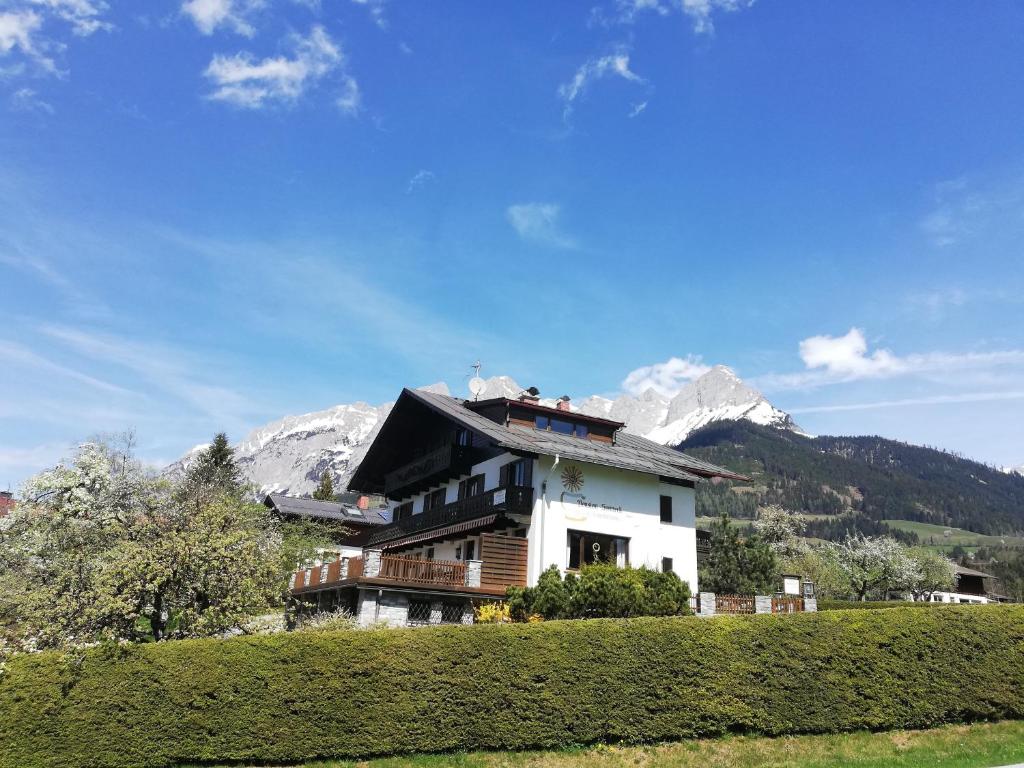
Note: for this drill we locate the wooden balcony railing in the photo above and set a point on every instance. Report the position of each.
(516, 499)
(447, 460)
(415, 571)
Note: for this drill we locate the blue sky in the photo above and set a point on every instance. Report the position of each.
(217, 212)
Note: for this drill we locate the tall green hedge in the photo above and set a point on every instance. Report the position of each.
(357, 693)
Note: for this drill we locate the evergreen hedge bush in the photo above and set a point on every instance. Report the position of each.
(357, 693)
(859, 605)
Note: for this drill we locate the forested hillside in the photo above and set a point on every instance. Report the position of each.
(855, 481)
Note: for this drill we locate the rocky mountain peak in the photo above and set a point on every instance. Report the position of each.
(290, 454)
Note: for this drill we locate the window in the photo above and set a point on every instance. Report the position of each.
(586, 548)
(666, 509)
(560, 425)
(463, 437)
(419, 612)
(474, 486)
(451, 613)
(666, 565)
(402, 511)
(458, 552)
(434, 499)
(471, 549)
(516, 473)
(430, 553)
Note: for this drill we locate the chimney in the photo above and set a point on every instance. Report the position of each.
(531, 396)
(563, 403)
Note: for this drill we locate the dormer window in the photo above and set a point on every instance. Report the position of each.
(562, 426)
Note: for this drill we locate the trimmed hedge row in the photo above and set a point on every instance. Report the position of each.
(871, 605)
(359, 693)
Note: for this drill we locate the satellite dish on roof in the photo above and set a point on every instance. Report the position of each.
(476, 386)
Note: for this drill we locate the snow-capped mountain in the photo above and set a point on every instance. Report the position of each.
(1012, 470)
(289, 455)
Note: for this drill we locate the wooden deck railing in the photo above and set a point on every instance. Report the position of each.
(414, 571)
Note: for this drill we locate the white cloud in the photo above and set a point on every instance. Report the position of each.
(838, 359)
(702, 11)
(538, 222)
(666, 378)
(350, 98)
(245, 82)
(208, 15)
(376, 10)
(419, 179)
(637, 109)
(17, 33)
(846, 356)
(27, 100)
(615, 64)
(84, 16)
(22, 30)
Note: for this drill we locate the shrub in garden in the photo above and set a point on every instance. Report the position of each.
(601, 590)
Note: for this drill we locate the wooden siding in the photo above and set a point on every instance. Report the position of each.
(504, 561)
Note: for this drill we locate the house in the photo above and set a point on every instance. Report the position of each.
(359, 518)
(487, 494)
(971, 587)
(6, 503)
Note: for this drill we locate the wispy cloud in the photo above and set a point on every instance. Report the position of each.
(243, 81)
(637, 109)
(701, 13)
(23, 33)
(840, 359)
(419, 179)
(969, 397)
(41, 269)
(665, 378)
(163, 368)
(613, 65)
(27, 100)
(16, 354)
(538, 223)
(376, 11)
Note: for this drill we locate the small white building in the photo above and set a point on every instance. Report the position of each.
(971, 587)
(488, 494)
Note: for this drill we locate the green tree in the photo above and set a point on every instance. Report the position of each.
(737, 565)
(819, 565)
(212, 472)
(325, 489)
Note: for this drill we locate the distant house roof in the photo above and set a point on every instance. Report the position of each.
(629, 452)
(961, 571)
(326, 510)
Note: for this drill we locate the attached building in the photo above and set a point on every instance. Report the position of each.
(488, 494)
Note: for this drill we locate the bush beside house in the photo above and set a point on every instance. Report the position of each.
(512, 686)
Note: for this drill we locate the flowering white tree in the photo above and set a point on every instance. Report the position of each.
(101, 548)
(875, 565)
(934, 573)
(779, 529)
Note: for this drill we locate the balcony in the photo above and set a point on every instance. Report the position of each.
(513, 499)
(447, 461)
(502, 564)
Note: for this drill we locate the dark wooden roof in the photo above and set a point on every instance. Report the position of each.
(326, 510)
(629, 452)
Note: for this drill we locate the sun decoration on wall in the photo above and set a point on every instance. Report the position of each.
(572, 478)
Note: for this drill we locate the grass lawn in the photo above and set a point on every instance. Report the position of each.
(934, 536)
(953, 746)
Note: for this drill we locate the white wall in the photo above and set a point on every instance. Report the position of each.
(617, 503)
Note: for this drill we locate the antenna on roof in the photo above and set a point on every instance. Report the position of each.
(476, 384)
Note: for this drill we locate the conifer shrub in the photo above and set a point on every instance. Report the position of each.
(351, 694)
